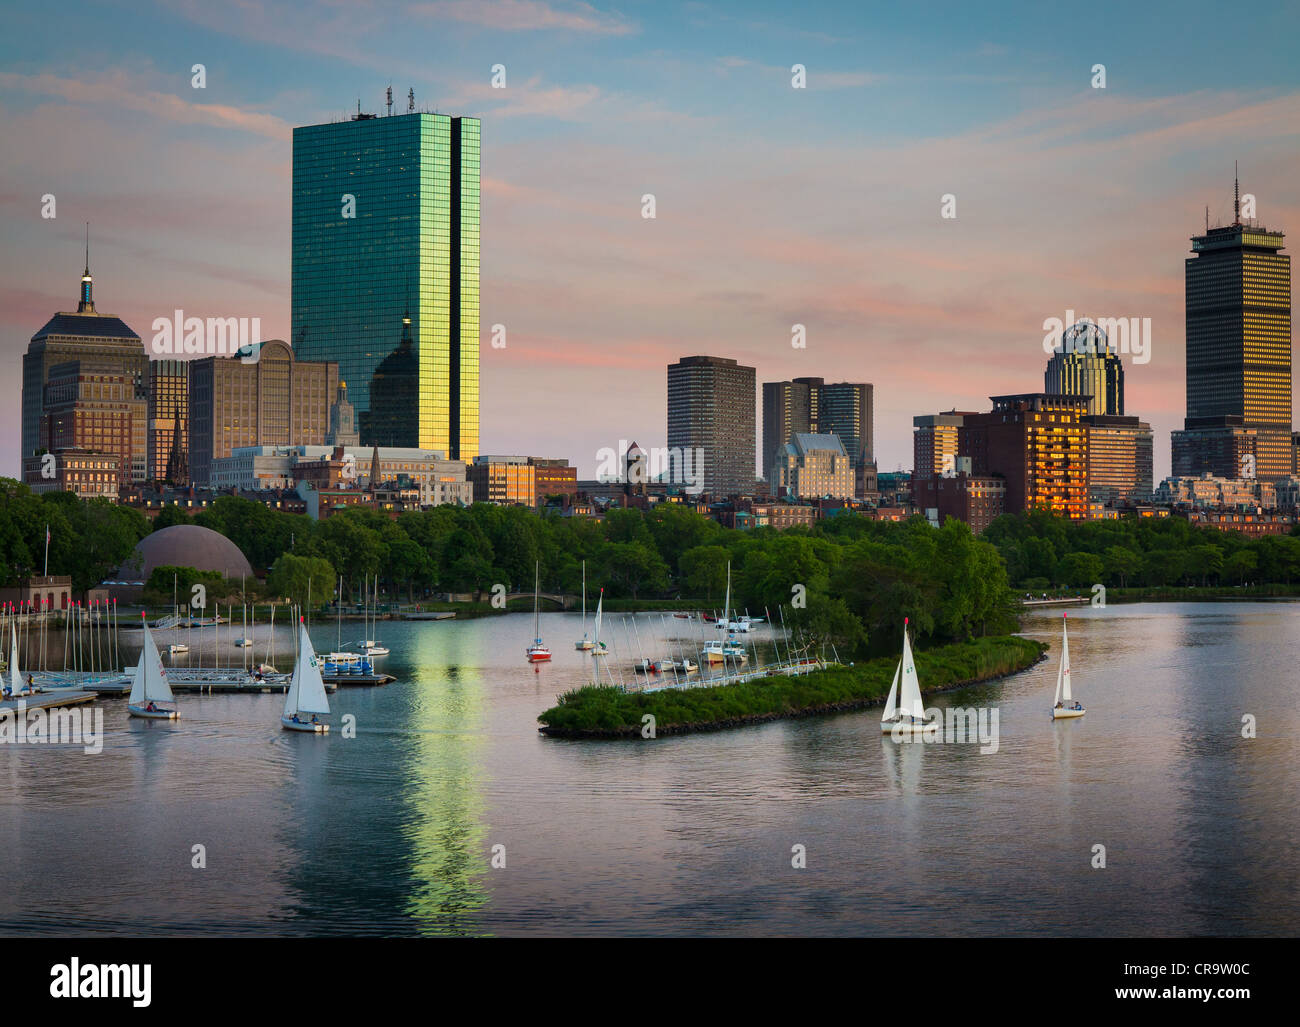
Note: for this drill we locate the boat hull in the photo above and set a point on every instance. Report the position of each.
(583, 647)
(1067, 714)
(539, 655)
(144, 714)
(289, 724)
(908, 727)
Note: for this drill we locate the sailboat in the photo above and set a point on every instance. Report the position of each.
(151, 695)
(537, 653)
(305, 702)
(177, 647)
(586, 643)
(905, 714)
(719, 651)
(369, 646)
(16, 687)
(1063, 706)
(598, 648)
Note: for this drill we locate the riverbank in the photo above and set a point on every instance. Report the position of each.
(608, 713)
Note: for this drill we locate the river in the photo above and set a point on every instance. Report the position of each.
(393, 832)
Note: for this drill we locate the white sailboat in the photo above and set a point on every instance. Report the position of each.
(598, 648)
(370, 646)
(537, 652)
(15, 687)
(720, 652)
(586, 643)
(151, 695)
(1064, 706)
(905, 713)
(305, 703)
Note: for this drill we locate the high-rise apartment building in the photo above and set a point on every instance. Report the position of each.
(934, 442)
(273, 400)
(169, 404)
(87, 337)
(711, 413)
(811, 407)
(1038, 444)
(385, 272)
(1238, 290)
(1085, 364)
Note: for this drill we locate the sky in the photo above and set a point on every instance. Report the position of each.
(774, 205)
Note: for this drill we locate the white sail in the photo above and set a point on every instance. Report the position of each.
(726, 603)
(910, 701)
(306, 689)
(15, 675)
(150, 681)
(595, 625)
(1063, 675)
(891, 706)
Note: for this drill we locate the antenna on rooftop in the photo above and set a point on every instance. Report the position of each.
(390, 101)
(1236, 196)
(410, 101)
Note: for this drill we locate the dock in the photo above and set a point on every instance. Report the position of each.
(47, 700)
(356, 680)
(432, 615)
(210, 684)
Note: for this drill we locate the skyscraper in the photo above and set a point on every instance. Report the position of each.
(386, 272)
(1238, 288)
(1085, 364)
(120, 366)
(809, 406)
(711, 412)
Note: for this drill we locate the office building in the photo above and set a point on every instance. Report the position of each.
(526, 480)
(1120, 468)
(343, 420)
(88, 415)
(268, 399)
(385, 275)
(1086, 365)
(169, 403)
(1238, 298)
(711, 415)
(934, 442)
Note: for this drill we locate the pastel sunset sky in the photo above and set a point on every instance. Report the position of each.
(775, 205)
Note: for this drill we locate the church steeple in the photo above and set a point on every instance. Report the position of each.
(87, 304)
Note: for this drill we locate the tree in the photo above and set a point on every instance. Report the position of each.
(631, 567)
(1121, 563)
(171, 514)
(301, 577)
(704, 570)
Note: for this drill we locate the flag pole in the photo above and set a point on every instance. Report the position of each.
(46, 573)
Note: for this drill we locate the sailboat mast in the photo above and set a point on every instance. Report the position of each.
(537, 573)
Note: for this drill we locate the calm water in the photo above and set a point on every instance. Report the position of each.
(392, 832)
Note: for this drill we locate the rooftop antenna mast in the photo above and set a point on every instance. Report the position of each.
(390, 101)
(410, 100)
(1236, 196)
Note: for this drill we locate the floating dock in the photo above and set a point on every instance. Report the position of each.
(356, 680)
(47, 700)
(431, 615)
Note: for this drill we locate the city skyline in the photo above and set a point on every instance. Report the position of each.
(944, 314)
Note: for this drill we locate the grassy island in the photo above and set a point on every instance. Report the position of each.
(606, 712)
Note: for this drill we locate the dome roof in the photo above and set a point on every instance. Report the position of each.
(185, 545)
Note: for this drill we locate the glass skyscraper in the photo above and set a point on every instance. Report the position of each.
(386, 272)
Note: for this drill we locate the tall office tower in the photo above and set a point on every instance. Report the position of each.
(1238, 288)
(1120, 468)
(808, 406)
(386, 272)
(711, 416)
(274, 400)
(1085, 364)
(1038, 443)
(85, 334)
(169, 404)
